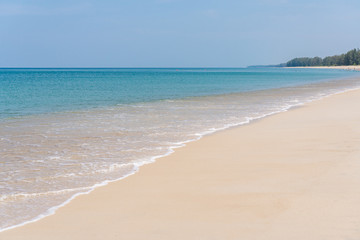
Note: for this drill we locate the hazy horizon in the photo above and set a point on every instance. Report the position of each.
(173, 33)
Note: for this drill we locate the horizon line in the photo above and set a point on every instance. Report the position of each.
(118, 67)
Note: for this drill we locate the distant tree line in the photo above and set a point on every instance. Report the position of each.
(352, 57)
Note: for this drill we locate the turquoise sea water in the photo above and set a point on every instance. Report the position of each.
(34, 91)
(65, 131)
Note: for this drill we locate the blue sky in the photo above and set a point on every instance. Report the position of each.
(173, 33)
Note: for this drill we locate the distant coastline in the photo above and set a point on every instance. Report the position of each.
(353, 67)
(348, 61)
(349, 68)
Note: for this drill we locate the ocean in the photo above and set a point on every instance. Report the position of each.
(64, 132)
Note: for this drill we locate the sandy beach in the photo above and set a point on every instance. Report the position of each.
(294, 175)
(354, 68)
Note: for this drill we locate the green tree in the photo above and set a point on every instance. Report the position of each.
(352, 57)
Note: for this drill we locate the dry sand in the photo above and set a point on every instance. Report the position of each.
(294, 175)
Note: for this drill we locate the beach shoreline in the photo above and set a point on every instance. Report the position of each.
(350, 68)
(281, 176)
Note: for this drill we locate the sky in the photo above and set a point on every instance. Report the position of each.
(173, 33)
